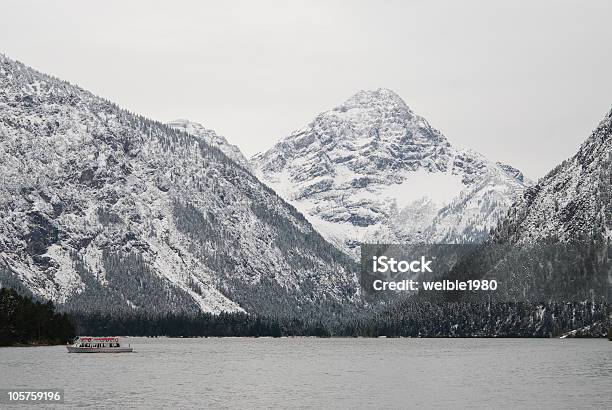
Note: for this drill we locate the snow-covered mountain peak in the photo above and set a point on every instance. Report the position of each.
(372, 130)
(211, 137)
(377, 116)
(381, 99)
(360, 172)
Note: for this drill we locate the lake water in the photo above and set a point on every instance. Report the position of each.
(309, 372)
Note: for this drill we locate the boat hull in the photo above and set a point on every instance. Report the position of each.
(73, 349)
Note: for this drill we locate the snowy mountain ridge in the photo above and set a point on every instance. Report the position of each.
(101, 209)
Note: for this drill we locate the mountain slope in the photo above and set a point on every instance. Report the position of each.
(372, 170)
(554, 244)
(572, 201)
(104, 209)
(551, 257)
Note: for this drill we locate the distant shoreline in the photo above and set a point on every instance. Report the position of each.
(33, 345)
(320, 337)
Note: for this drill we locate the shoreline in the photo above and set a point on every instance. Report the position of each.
(330, 337)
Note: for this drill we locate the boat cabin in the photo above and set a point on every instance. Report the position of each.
(86, 341)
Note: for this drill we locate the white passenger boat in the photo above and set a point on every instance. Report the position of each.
(86, 344)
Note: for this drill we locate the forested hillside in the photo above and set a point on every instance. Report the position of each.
(25, 322)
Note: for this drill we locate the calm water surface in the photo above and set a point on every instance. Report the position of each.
(309, 372)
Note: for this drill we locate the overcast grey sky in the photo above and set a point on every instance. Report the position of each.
(523, 82)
